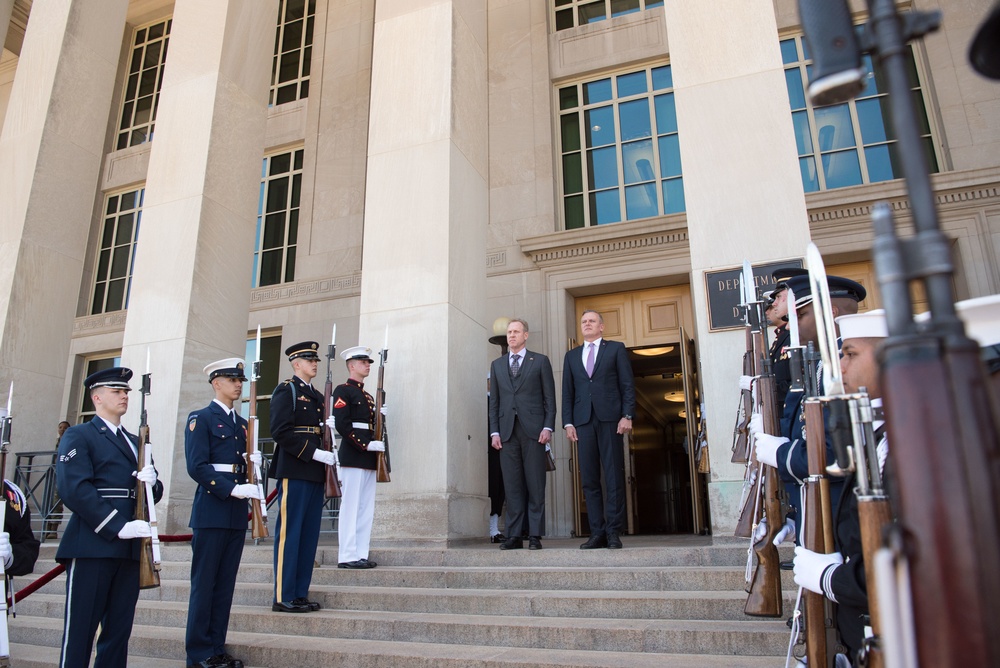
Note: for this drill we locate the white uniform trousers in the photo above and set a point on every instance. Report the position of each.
(357, 510)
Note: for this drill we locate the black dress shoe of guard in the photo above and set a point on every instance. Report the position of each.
(368, 564)
(210, 662)
(595, 542)
(312, 605)
(498, 538)
(614, 542)
(284, 606)
(229, 660)
(512, 544)
(356, 565)
(535, 543)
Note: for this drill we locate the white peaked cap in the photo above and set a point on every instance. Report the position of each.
(870, 324)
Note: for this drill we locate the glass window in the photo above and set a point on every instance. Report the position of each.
(116, 251)
(93, 365)
(142, 85)
(848, 143)
(278, 219)
(572, 13)
(292, 51)
(270, 359)
(620, 148)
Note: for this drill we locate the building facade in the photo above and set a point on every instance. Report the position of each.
(174, 174)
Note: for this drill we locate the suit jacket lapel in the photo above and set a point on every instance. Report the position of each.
(220, 415)
(525, 365)
(102, 428)
(599, 355)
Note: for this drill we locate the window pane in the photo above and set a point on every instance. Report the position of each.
(879, 163)
(605, 207)
(673, 196)
(290, 265)
(873, 120)
(788, 51)
(640, 201)
(600, 126)
(293, 227)
(97, 306)
(116, 296)
(803, 136)
(570, 132)
(921, 110)
(835, 129)
(653, 3)
(670, 156)
(602, 168)
(810, 182)
(124, 229)
(796, 96)
(597, 91)
(573, 207)
(292, 39)
(270, 267)
(572, 174)
(564, 19)
(568, 98)
(592, 13)
(119, 261)
(103, 262)
(277, 194)
(666, 113)
(634, 119)
(274, 230)
(841, 169)
(632, 84)
(623, 7)
(662, 78)
(637, 162)
(280, 163)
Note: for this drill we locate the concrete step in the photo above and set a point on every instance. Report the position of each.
(271, 649)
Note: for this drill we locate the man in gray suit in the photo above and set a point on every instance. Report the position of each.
(522, 417)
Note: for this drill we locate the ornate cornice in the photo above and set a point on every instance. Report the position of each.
(655, 234)
(102, 323)
(287, 294)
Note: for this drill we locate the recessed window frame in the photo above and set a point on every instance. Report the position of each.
(114, 264)
(568, 14)
(143, 80)
(278, 209)
(292, 62)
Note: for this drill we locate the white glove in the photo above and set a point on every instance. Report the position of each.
(255, 458)
(331, 422)
(384, 411)
(811, 569)
(376, 446)
(767, 448)
(760, 531)
(147, 474)
(324, 457)
(756, 424)
(746, 382)
(5, 552)
(247, 491)
(135, 529)
(785, 533)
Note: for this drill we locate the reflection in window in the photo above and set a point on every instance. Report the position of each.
(848, 143)
(278, 219)
(93, 365)
(142, 84)
(270, 359)
(621, 156)
(116, 251)
(571, 13)
(293, 40)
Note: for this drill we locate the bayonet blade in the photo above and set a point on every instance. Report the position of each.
(833, 382)
(793, 320)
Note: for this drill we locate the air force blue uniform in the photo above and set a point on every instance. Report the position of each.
(219, 524)
(96, 478)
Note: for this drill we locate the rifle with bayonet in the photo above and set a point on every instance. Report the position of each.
(741, 432)
(5, 425)
(383, 467)
(750, 506)
(332, 488)
(258, 509)
(938, 573)
(145, 509)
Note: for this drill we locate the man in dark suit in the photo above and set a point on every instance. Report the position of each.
(96, 473)
(215, 445)
(597, 405)
(299, 467)
(522, 414)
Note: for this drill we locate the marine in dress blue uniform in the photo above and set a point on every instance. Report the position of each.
(21, 550)
(215, 445)
(96, 473)
(299, 460)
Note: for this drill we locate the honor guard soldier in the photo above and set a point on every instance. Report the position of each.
(18, 545)
(215, 445)
(96, 472)
(299, 461)
(777, 317)
(354, 419)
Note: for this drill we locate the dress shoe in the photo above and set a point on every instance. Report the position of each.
(614, 542)
(512, 544)
(228, 660)
(312, 605)
(212, 662)
(535, 543)
(367, 563)
(356, 565)
(284, 606)
(498, 538)
(595, 542)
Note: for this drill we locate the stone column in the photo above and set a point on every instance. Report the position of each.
(741, 176)
(6, 7)
(426, 215)
(191, 284)
(51, 147)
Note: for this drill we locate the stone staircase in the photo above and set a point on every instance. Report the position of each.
(661, 601)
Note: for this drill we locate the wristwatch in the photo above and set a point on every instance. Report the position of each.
(627, 417)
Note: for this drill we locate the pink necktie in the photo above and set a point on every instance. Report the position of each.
(590, 361)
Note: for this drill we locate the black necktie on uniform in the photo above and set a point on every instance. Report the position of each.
(128, 444)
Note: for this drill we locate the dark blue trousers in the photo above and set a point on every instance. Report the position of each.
(215, 561)
(296, 534)
(99, 592)
(602, 448)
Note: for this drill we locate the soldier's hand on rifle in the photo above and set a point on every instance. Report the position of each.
(760, 531)
(255, 458)
(376, 446)
(324, 457)
(813, 570)
(247, 491)
(785, 533)
(766, 447)
(384, 410)
(147, 474)
(746, 382)
(135, 529)
(756, 424)
(331, 422)
(5, 551)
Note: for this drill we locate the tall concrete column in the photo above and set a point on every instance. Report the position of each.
(51, 147)
(191, 284)
(424, 275)
(735, 122)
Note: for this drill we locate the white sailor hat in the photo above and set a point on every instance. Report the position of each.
(870, 324)
(357, 353)
(231, 367)
(982, 319)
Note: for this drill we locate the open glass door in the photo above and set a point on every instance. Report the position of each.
(692, 408)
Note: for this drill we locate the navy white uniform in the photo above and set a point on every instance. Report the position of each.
(215, 438)
(17, 523)
(96, 477)
(354, 415)
(296, 417)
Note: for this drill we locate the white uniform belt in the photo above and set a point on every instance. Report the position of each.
(230, 468)
(361, 425)
(116, 492)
